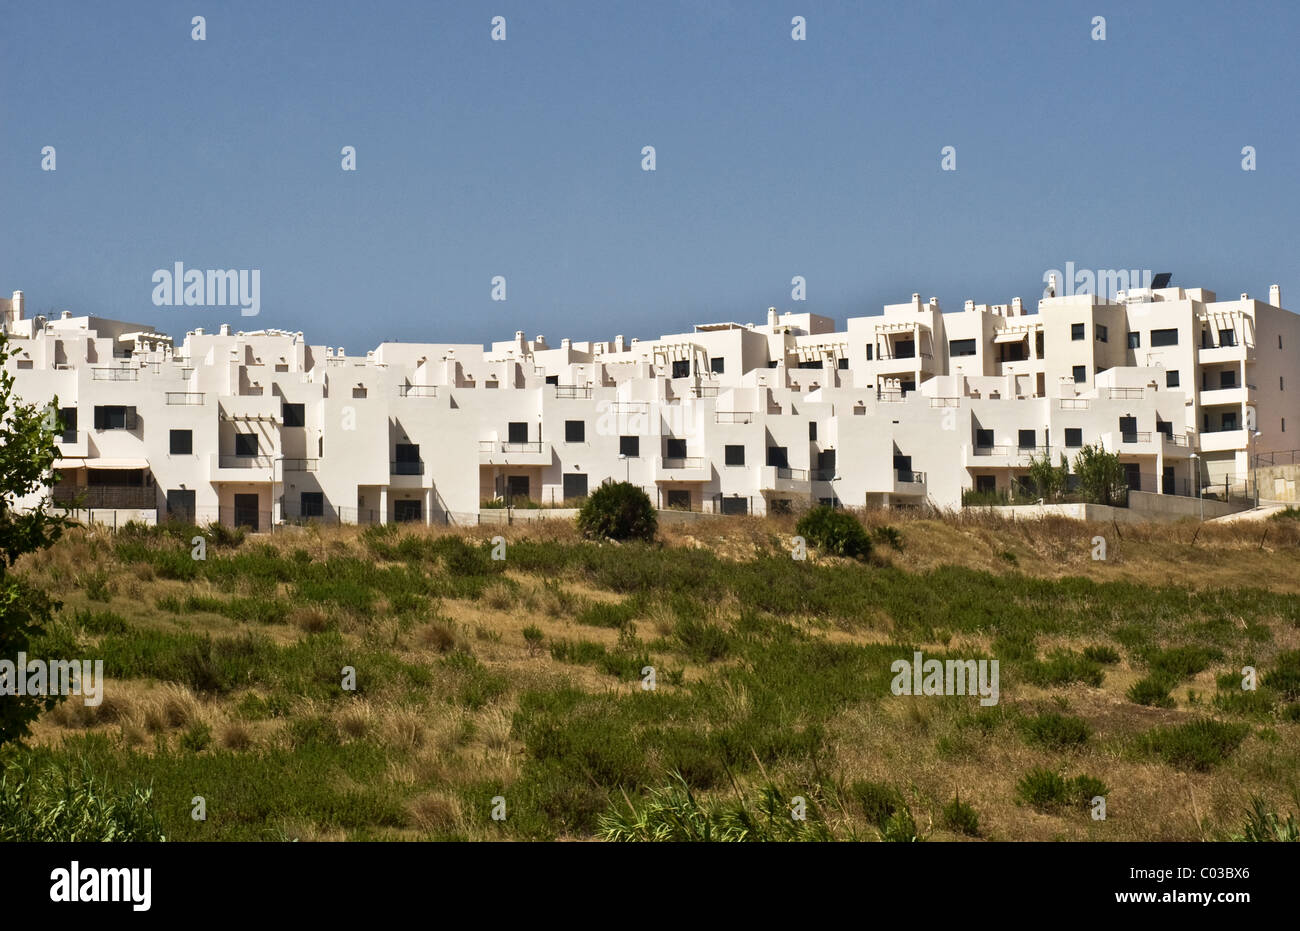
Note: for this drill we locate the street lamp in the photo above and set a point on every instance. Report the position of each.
(1196, 477)
(627, 472)
(1254, 463)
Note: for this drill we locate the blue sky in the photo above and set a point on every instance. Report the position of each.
(522, 158)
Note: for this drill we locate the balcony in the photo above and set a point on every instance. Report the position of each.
(1213, 441)
(703, 391)
(243, 468)
(945, 402)
(104, 496)
(572, 392)
(1233, 394)
(1006, 455)
(1125, 394)
(301, 465)
(683, 469)
(406, 467)
(116, 373)
(495, 452)
(183, 398)
(733, 416)
(417, 391)
(783, 478)
(1209, 355)
(1136, 438)
(909, 482)
(1073, 404)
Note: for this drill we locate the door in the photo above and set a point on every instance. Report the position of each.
(1133, 476)
(516, 487)
(1128, 428)
(407, 509)
(246, 512)
(1167, 483)
(679, 498)
(575, 486)
(180, 504)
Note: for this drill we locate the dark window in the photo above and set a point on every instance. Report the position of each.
(961, 347)
(679, 498)
(812, 429)
(1027, 439)
(407, 509)
(717, 365)
(1128, 428)
(681, 368)
(986, 483)
(1076, 331)
(1134, 339)
(1133, 476)
(312, 504)
(905, 349)
(245, 444)
(870, 351)
(1230, 421)
(674, 448)
(1102, 335)
(1073, 437)
(553, 380)
(69, 417)
(575, 485)
(180, 504)
(772, 364)
(1038, 343)
(1227, 338)
(629, 446)
(1164, 338)
(1228, 379)
(407, 459)
(1080, 374)
(1171, 379)
(733, 455)
(182, 442)
(779, 506)
(906, 385)
(776, 456)
(518, 486)
(844, 363)
(983, 438)
(294, 415)
(1281, 383)
(1166, 427)
(575, 431)
(114, 417)
(1012, 352)
(812, 364)
(517, 432)
(735, 505)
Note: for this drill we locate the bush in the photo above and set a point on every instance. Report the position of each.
(1105, 655)
(960, 817)
(63, 804)
(1153, 691)
(835, 532)
(1056, 730)
(1046, 789)
(618, 511)
(877, 800)
(1196, 745)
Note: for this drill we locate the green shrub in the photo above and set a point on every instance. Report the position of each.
(618, 511)
(1056, 730)
(834, 531)
(702, 641)
(1199, 744)
(1284, 677)
(1105, 655)
(1152, 691)
(1047, 789)
(960, 817)
(900, 828)
(1265, 825)
(1062, 667)
(887, 535)
(877, 800)
(533, 639)
(63, 804)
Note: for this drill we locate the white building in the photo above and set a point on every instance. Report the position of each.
(915, 405)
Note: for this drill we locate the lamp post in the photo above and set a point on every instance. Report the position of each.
(1254, 464)
(627, 472)
(1196, 477)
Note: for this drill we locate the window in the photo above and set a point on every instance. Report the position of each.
(870, 351)
(1230, 421)
(674, 448)
(810, 364)
(114, 417)
(517, 432)
(1281, 383)
(182, 442)
(629, 446)
(717, 365)
(1134, 339)
(1227, 338)
(733, 455)
(986, 484)
(779, 506)
(905, 349)
(734, 505)
(771, 363)
(294, 415)
(983, 438)
(812, 429)
(245, 444)
(1012, 352)
(1279, 341)
(575, 431)
(1080, 374)
(1164, 338)
(1228, 379)
(681, 368)
(1102, 335)
(1073, 437)
(776, 456)
(1026, 439)
(1076, 331)
(844, 363)
(678, 498)
(69, 417)
(1284, 425)
(575, 486)
(961, 347)
(1171, 379)
(407, 509)
(312, 504)
(359, 391)
(1166, 427)
(180, 504)
(553, 380)
(407, 459)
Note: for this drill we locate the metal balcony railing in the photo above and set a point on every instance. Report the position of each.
(184, 397)
(683, 462)
(114, 374)
(245, 462)
(1137, 437)
(407, 467)
(945, 402)
(418, 391)
(910, 476)
(823, 475)
(105, 496)
(1125, 394)
(798, 475)
(1173, 439)
(301, 465)
(733, 416)
(704, 391)
(1074, 404)
(572, 391)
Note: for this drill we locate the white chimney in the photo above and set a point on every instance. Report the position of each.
(1051, 285)
(1275, 295)
(618, 343)
(225, 329)
(1017, 306)
(198, 331)
(970, 304)
(1245, 296)
(17, 306)
(771, 316)
(934, 302)
(565, 343)
(67, 314)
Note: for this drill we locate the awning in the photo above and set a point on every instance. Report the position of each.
(98, 463)
(1010, 337)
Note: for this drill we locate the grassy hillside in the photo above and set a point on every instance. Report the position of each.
(522, 679)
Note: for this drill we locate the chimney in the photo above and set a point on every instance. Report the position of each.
(619, 346)
(1245, 296)
(1051, 285)
(68, 314)
(540, 342)
(970, 304)
(225, 329)
(1017, 306)
(771, 316)
(17, 306)
(198, 331)
(1275, 295)
(934, 302)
